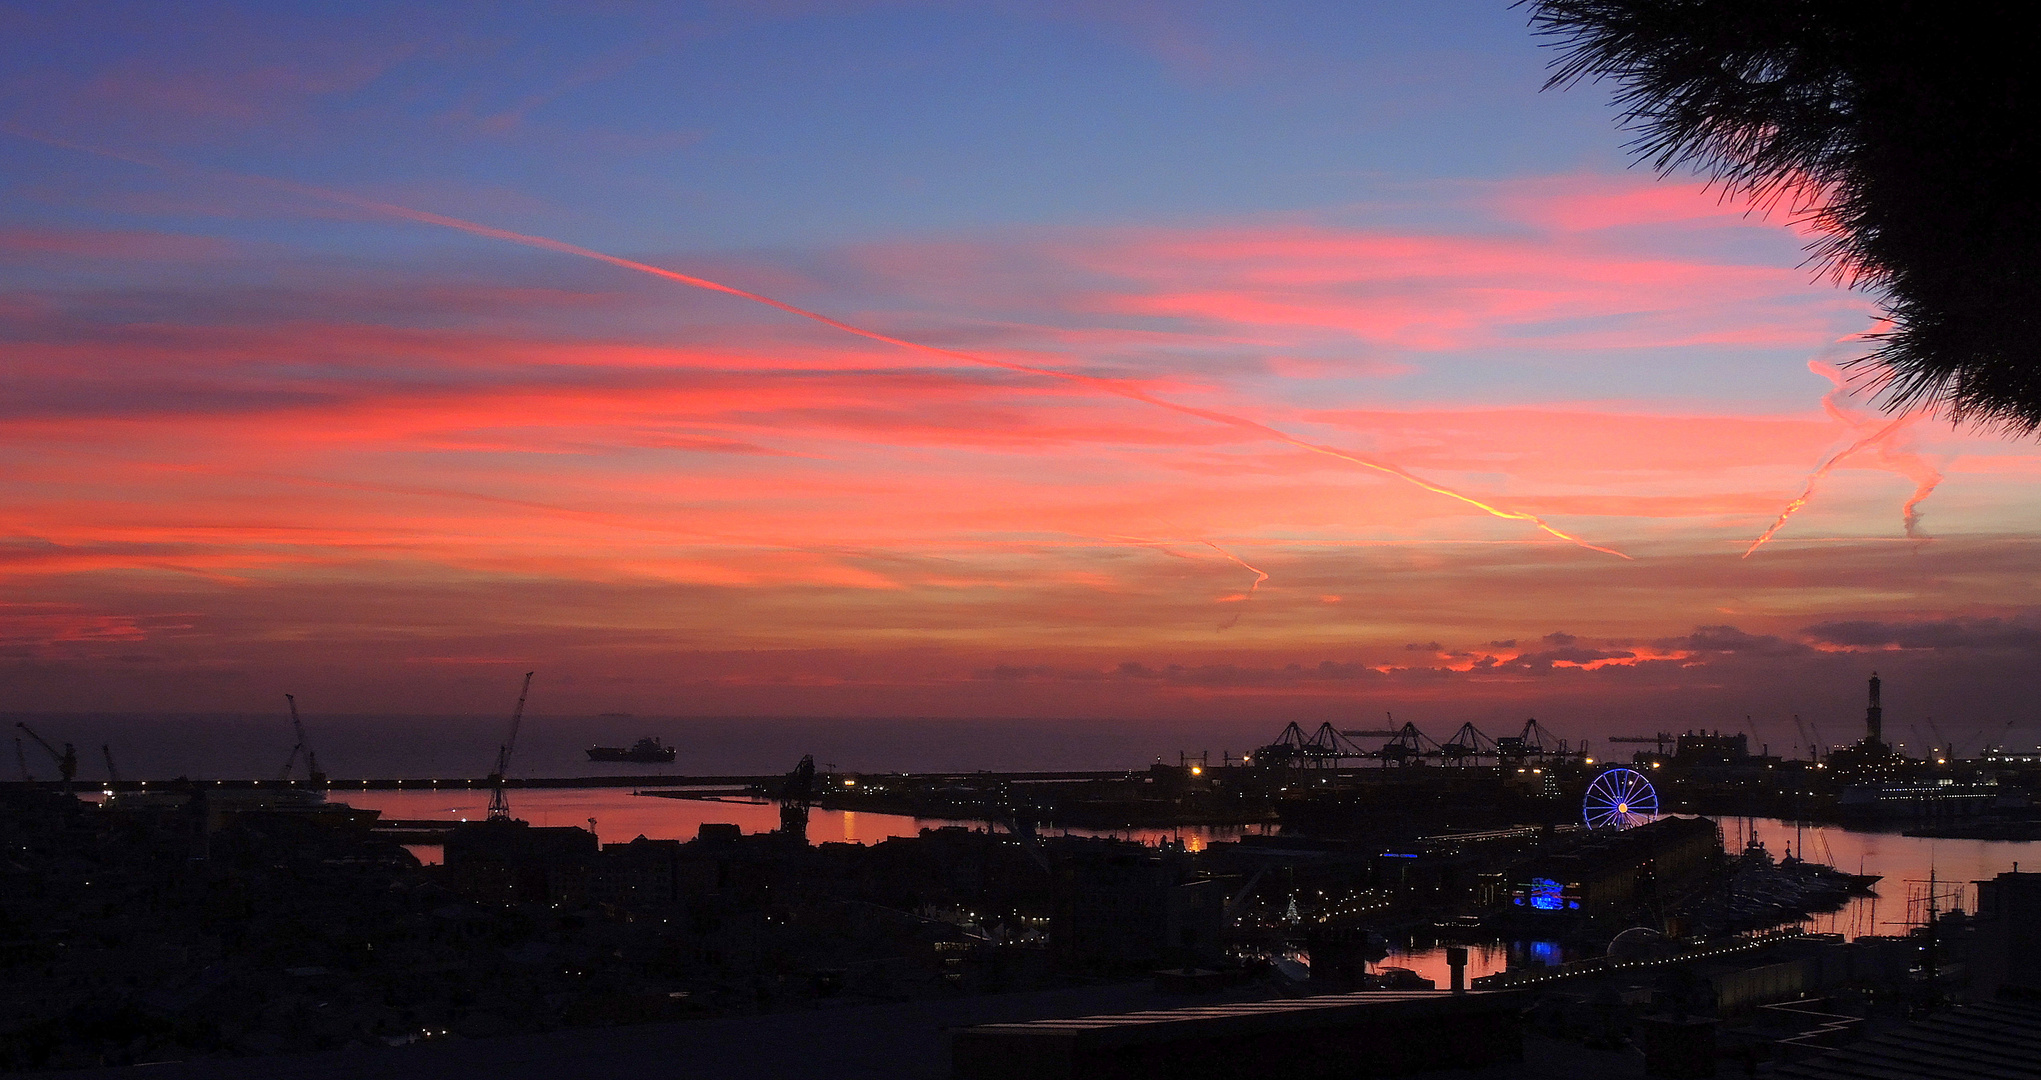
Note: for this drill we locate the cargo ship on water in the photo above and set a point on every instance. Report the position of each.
(647, 750)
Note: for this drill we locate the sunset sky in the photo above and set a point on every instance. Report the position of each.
(1239, 314)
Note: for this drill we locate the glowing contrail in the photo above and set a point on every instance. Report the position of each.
(1111, 386)
(1808, 492)
(1897, 459)
(1259, 576)
(1164, 547)
(1116, 387)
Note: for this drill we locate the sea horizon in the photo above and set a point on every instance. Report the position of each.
(239, 745)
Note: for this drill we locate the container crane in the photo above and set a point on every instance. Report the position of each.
(499, 807)
(67, 762)
(1468, 743)
(1410, 746)
(312, 771)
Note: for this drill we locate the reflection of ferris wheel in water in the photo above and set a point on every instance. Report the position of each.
(1619, 799)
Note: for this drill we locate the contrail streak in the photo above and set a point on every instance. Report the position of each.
(1164, 547)
(1808, 492)
(1102, 384)
(1896, 459)
(1259, 576)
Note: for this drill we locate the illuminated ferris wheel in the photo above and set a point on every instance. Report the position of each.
(1619, 799)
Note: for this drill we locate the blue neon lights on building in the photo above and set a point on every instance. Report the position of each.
(1545, 895)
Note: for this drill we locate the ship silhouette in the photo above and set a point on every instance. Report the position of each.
(646, 750)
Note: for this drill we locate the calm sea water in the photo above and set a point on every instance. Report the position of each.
(242, 746)
(352, 747)
(1906, 863)
(617, 815)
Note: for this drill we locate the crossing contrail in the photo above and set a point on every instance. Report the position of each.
(1896, 458)
(1259, 576)
(1117, 387)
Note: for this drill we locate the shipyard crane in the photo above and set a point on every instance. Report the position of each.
(796, 795)
(1976, 738)
(1941, 741)
(1806, 740)
(21, 759)
(67, 762)
(1820, 744)
(2003, 732)
(312, 772)
(499, 807)
(112, 774)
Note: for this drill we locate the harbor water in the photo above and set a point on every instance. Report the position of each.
(1905, 864)
(620, 814)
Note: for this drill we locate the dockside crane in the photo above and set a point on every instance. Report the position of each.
(1409, 747)
(1468, 743)
(1321, 749)
(1534, 741)
(112, 773)
(1948, 752)
(67, 762)
(304, 745)
(499, 807)
(796, 796)
(21, 759)
(2003, 733)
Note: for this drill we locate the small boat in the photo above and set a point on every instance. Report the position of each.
(644, 750)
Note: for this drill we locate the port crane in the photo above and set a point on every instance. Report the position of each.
(304, 745)
(1466, 743)
(21, 759)
(499, 807)
(1948, 752)
(112, 774)
(796, 795)
(67, 762)
(1534, 741)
